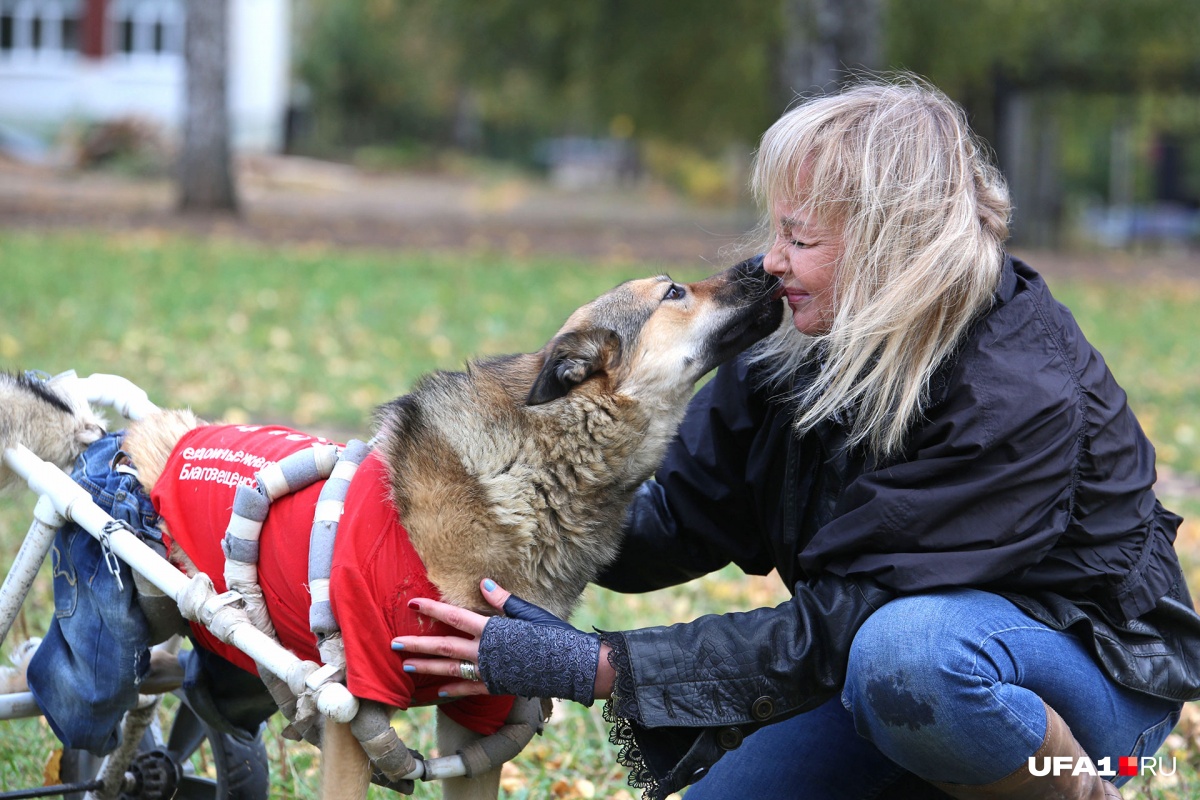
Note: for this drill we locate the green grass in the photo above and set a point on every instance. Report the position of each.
(318, 337)
(312, 335)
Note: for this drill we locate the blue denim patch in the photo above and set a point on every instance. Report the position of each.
(86, 673)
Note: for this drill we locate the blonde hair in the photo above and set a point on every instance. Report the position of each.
(924, 214)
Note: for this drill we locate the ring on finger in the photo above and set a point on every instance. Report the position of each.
(468, 671)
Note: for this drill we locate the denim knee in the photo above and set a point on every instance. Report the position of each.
(917, 677)
(952, 686)
(906, 652)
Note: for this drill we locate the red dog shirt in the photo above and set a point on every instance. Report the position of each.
(375, 568)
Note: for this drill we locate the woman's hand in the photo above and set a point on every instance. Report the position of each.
(459, 657)
(451, 653)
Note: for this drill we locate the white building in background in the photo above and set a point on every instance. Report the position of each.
(80, 61)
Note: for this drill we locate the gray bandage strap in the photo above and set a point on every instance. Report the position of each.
(290, 474)
(330, 505)
(240, 545)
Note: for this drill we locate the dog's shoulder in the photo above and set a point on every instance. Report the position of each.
(493, 388)
(149, 441)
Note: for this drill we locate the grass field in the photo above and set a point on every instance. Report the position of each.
(317, 337)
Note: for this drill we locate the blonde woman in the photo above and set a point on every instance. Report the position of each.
(943, 471)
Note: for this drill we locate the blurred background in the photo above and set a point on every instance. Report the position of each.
(1092, 106)
(287, 210)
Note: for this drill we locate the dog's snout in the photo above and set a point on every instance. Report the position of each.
(772, 286)
(751, 279)
(750, 265)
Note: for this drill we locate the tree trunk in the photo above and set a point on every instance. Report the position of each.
(826, 42)
(205, 163)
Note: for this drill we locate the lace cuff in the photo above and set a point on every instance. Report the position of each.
(622, 711)
(524, 658)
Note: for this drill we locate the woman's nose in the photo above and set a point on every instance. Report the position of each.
(773, 262)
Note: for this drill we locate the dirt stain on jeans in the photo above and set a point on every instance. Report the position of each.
(895, 705)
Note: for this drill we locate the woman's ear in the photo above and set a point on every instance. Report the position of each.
(573, 357)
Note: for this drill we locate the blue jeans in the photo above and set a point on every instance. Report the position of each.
(86, 672)
(944, 687)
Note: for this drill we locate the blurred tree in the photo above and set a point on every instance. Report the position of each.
(699, 72)
(1060, 89)
(708, 76)
(827, 41)
(205, 170)
(380, 70)
(974, 48)
(708, 71)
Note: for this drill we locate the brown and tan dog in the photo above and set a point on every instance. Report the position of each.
(521, 467)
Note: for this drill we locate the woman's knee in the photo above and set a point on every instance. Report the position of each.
(916, 684)
(916, 650)
(907, 634)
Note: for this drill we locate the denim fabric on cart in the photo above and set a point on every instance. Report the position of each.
(86, 673)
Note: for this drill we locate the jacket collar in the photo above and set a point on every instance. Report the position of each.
(1006, 289)
(1008, 280)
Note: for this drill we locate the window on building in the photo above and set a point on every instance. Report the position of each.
(147, 27)
(6, 30)
(125, 38)
(45, 28)
(69, 33)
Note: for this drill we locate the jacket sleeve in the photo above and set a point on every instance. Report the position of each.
(689, 692)
(703, 511)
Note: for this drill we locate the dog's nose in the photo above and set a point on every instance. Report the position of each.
(751, 274)
(750, 266)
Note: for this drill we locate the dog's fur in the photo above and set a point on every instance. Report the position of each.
(521, 468)
(45, 417)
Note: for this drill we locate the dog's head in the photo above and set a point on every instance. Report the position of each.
(655, 337)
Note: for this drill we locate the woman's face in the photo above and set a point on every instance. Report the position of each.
(805, 255)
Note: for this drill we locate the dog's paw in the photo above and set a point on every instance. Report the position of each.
(14, 678)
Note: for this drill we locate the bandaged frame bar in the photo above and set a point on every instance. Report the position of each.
(224, 614)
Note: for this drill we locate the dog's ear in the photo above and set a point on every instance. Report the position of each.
(572, 359)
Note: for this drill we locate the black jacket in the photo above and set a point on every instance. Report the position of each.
(1028, 476)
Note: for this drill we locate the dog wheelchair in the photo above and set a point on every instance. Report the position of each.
(147, 762)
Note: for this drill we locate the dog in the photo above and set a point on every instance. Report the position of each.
(519, 468)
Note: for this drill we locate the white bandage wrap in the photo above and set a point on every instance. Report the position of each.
(243, 528)
(242, 575)
(319, 590)
(271, 481)
(325, 458)
(329, 511)
(343, 470)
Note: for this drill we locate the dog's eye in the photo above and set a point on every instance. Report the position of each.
(675, 292)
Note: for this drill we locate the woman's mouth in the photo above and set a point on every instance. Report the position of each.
(796, 297)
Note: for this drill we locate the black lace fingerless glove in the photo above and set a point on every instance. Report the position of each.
(533, 653)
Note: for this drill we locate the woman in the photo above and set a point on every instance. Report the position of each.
(942, 468)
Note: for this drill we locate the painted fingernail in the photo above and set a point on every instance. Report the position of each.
(409, 668)
(443, 694)
(397, 645)
(489, 585)
(414, 605)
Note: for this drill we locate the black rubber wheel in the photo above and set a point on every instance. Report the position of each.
(240, 760)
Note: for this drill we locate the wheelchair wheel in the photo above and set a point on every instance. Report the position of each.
(164, 766)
